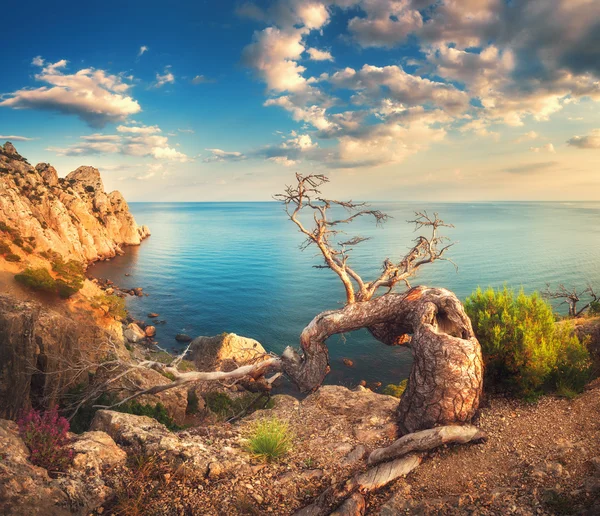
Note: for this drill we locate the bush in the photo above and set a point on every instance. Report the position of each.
(395, 390)
(11, 257)
(594, 308)
(37, 279)
(71, 276)
(523, 348)
(269, 439)
(573, 368)
(4, 247)
(225, 407)
(45, 434)
(66, 290)
(112, 305)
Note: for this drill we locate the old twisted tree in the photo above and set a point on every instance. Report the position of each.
(445, 382)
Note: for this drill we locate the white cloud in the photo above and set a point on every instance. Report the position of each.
(15, 138)
(201, 79)
(140, 144)
(283, 160)
(139, 130)
(93, 95)
(143, 50)
(319, 55)
(528, 136)
(190, 131)
(591, 141)
(548, 147)
(37, 61)
(220, 156)
(166, 78)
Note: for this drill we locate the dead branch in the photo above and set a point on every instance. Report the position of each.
(306, 195)
(571, 297)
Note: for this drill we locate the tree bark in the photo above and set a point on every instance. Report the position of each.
(446, 379)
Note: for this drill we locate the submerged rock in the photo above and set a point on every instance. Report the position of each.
(182, 337)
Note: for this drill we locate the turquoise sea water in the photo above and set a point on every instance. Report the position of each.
(237, 267)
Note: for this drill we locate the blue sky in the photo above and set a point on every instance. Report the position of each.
(394, 99)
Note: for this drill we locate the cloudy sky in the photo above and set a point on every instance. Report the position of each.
(393, 99)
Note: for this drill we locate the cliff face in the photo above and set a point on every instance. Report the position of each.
(73, 216)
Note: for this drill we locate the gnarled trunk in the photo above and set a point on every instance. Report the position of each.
(446, 378)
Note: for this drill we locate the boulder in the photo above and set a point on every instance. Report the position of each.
(26, 489)
(93, 452)
(182, 337)
(224, 352)
(150, 331)
(133, 333)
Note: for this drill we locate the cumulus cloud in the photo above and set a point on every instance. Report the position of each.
(95, 96)
(319, 55)
(590, 141)
(37, 61)
(166, 78)
(548, 147)
(15, 138)
(139, 129)
(143, 50)
(283, 160)
(221, 156)
(131, 143)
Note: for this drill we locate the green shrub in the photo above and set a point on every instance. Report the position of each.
(523, 348)
(27, 249)
(226, 407)
(18, 241)
(5, 227)
(269, 439)
(37, 279)
(594, 308)
(4, 247)
(70, 269)
(66, 290)
(573, 368)
(395, 390)
(11, 257)
(113, 305)
(193, 402)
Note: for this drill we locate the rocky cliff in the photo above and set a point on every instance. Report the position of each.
(72, 216)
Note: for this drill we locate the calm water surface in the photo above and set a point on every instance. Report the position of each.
(236, 267)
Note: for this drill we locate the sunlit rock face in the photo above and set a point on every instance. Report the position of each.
(72, 216)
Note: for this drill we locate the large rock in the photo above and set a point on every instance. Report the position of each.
(93, 452)
(74, 216)
(224, 352)
(133, 333)
(37, 345)
(26, 489)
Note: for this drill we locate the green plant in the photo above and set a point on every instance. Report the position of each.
(226, 407)
(523, 348)
(11, 257)
(269, 438)
(594, 308)
(5, 227)
(112, 305)
(4, 247)
(573, 368)
(18, 241)
(66, 290)
(46, 436)
(395, 390)
(193, 402)
(37, 279)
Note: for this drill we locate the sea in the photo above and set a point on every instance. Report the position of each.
(239, 267)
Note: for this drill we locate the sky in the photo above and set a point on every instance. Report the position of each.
(451, 100)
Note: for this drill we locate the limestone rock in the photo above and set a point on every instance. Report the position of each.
(73, 216)
(95, 451)
(133, 333)
(35, 337)
(224, 352)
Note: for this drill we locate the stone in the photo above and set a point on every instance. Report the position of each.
(96, 451)
(348, 362)
(152, 315)
(133, 333)
(150, 331)
(182, 337)
(224, 352)
(353, 506)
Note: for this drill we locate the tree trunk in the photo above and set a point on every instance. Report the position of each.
(446, 378)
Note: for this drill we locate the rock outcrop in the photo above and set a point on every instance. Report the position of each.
(42, 350)
(72, 216)
(224, 352)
